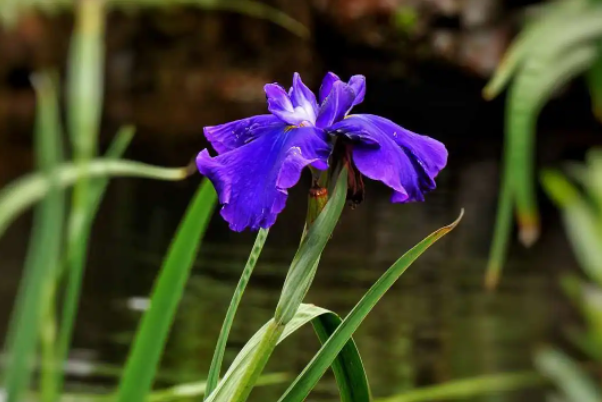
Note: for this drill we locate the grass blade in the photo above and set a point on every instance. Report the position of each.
(307, 257)
(77, 247)
(470, 387)
(527, 96)
(44, 248)
(348, 368)
(594, 81)
(9, 9)
(24, 192)
(310, 376)
(571, 379)
(195, 389)
(298, 280)
(306, 313)
(152, 333)
(220, 348)
(85, 84)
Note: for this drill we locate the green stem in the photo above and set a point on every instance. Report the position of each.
(218, 356)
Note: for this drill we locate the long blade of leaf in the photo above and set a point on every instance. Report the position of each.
(310, 376)
(580, 221)
(571, 379)
(44, 247)
(545, 23)
(24, 192)
(594, 82)
(77, 249)
(220, 348)
(9, 9)
(527, 96)
(470, 387)
(307, 257)
(350, 366)
(238, 386)
(150, 339)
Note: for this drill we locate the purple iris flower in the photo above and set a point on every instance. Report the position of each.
(260, 157)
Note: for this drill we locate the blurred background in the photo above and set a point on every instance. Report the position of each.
(172, 70)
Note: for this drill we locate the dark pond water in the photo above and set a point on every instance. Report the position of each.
(436, 324)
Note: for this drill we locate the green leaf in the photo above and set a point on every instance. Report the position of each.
(9, 9)
(310, 376)
(220, 348)
(150, 339)
(85, 83)
(190, 390)
(349, 365)
(594, 82)
(304, 265)
(298, 280)
(470, 387)
(532, 36)
(528, 94)
(568, 376)
(24, 192)
(348, 368)
(44, 248)
(580, 221)
(81, 220)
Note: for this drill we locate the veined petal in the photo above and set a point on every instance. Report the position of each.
(228, 136)
(280, 104)
(336, 105)
(358, 84)
(405, 161)
(303, 98)
(252, 180)
(326, 87)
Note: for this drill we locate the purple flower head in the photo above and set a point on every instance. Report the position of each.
(261, 157)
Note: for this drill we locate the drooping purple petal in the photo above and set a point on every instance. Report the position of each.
(336, 105)
(326, 87)
(358, 84)
(304, 99)
(252, 180)
(226, 137)
(405, 161)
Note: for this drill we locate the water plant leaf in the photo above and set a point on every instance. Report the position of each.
(77, 250)
(10, 9)
(220, 348)
(580, 221)
(572, 380)
(142, 362)
(349, 368)
(239, 384)
(470, 387)
(43, 253)
(325, 357)
(551, 56)
(27, 190)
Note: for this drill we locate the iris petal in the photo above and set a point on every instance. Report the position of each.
(358, 84)
(252, 180)
(226, 137)
(280, 104)
(303, 98)
(336, 105)
(326, 87)
(405, 161)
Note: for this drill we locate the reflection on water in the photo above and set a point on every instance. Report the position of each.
(435, 325)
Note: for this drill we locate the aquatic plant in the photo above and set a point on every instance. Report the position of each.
(56, 258)
(561, 42)
(580, 204)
